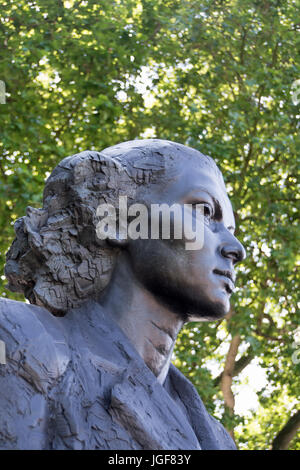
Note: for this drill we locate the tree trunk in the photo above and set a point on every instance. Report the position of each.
(227, 374)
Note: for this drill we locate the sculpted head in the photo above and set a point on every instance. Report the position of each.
(58, 261)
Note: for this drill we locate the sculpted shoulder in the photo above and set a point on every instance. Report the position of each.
(35, 343)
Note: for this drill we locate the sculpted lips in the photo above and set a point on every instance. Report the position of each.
(229, 279)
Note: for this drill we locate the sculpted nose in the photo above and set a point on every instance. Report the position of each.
(233, 250)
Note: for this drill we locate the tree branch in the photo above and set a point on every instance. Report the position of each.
(242, 52)
(287, 433)
(3, 172)
(239, 365)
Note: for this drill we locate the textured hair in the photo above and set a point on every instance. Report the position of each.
(56, 259)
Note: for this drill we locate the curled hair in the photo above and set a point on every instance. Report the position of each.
(56, 259)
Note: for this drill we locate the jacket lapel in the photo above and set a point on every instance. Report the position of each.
(211, 433)
(143, 407)
(135, 399)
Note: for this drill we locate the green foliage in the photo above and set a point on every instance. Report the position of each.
(215, 75)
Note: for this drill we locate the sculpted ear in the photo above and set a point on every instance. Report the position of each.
(117, 242)
(108, 228)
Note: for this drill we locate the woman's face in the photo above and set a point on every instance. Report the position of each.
(196, 284)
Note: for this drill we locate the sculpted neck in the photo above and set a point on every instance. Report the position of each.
(151, 328)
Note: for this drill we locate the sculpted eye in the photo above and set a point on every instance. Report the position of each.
(207, 209)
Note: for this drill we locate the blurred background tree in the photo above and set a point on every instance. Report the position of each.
(215, 75)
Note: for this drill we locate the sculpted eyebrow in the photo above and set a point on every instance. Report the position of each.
(199, 188)
(218, 213)
(218, 209)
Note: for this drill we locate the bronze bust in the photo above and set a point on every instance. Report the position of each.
(88, 363)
